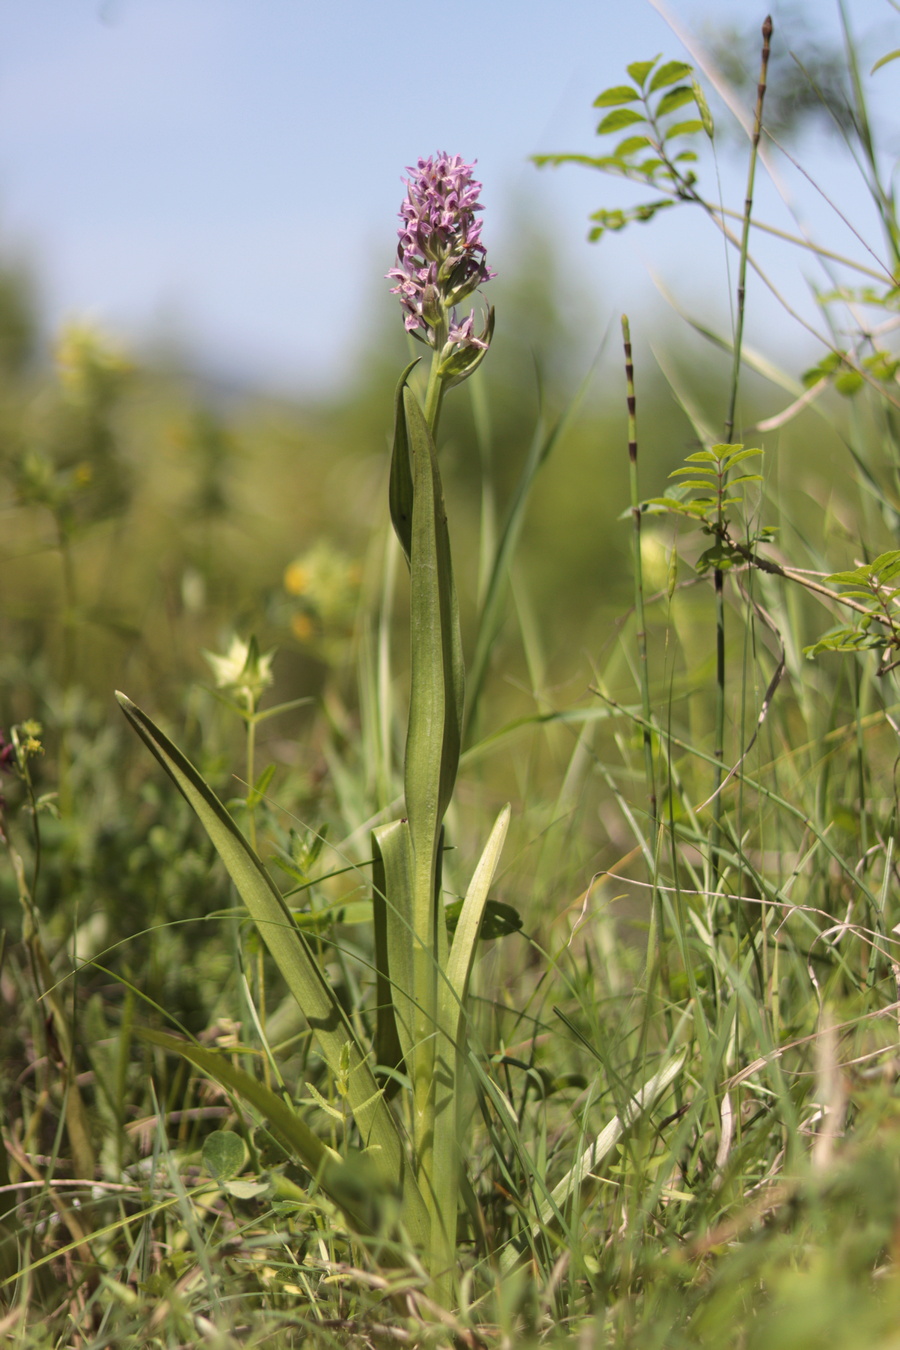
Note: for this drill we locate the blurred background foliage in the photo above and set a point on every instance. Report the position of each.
(148, 515)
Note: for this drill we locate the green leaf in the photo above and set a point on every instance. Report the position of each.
(669, 73)
(619, 93)
(675, 98)
(729, 460)
(703, 457)
(452, 1017)
(291, 1130)
(639, 70)
(499, 919)
(392, 883)
(845, 640)
(581, 1179)
(619, 118)
(827, 366)
(609, 220)
(400, 488)
(261, 786)
(721, 556)
(300, 971)
(437, 679)
(848, 383)
(851, 577)
(683, 129)
(224, 1154)
(695, 509)
(883, 60)
(462, 952)
(649, 209)
(882, 365)
(247, 1189)
(656, 506)
(436, 706)
(886, 566)
(631, 145)
(703, 109)
(587, 161)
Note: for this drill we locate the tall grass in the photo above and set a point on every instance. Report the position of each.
(659, 1109)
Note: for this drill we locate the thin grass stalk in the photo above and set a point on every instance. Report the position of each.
(767, 30)
(719, 580)
(487, 543)
(655, 946)
(251, 780)
(492, 610)
(636, 518)
(790, 808)
(882, 197)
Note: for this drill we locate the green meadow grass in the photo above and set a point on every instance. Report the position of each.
(671, 1071)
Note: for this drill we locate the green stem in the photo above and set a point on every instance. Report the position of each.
(435, 1140)
(719, 750)
(643, 667)
(881, 195)
(655, 943)
(70, 600)
(745, 230)
(251, 779)
(434, 394)
(719, 741)
(425, 959)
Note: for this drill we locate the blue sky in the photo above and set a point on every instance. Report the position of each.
(226, 173)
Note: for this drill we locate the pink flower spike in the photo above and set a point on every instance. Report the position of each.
(440, 247)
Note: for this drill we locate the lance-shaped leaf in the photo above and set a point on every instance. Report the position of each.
(400, 488)
(337, 1177)
(581, 1178)
(451, 1047)
(465, 939)
(437, 693)
(292, 1131)
(437, 679)
(392, 907)
(306, 982)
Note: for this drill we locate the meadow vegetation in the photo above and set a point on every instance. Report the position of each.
(565, 1012)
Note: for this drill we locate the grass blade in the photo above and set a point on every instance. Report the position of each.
(393, 906)
(306, 982)
(462, 952)
(322, 1162)
(451, 1049)
(579, 1177)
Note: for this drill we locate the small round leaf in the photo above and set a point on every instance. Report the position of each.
(224, 1154)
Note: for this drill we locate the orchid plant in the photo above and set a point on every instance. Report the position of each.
(410, 1148)
(399, 1188)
